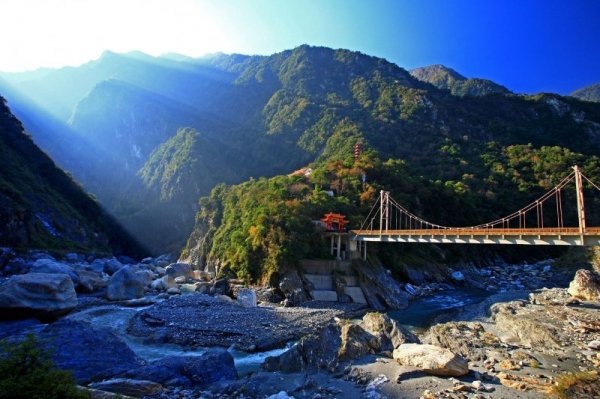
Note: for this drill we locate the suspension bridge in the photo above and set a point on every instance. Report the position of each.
(539, 223)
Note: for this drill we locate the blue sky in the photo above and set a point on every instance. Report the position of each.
(528, 46)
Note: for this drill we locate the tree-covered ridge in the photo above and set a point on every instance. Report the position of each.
(42, 207)
(255, 229)
(448, 79)
(268, 115)
(588, 93)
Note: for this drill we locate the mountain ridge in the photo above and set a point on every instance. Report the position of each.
(281, 112)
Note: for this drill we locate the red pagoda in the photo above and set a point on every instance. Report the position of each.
(334, 222)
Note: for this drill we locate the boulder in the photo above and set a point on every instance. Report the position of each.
(43, 295)
(129, 387)
(179, 270)
(124, 284)
(388, 332)
(320, 351)
(269, 295)
(90, 281)
(200, 275)
(173, 291)
(53, 267)
(180, 280)
(72, 257)
(188, 288)
(145, 276)
(203, 287)
(197, 371)
(96, 265)
(246, 297)
(355, 342)
(16, 266)
(516, 323)
(111, 266)
(293, 289)
(163, 283)
(432, 360)
(220, 287)
(380, 289)
(126, 260)
(92, 354)
(468, 339)
(585, 285)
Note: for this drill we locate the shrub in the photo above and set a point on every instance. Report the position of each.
(576, 385)
(26, 371)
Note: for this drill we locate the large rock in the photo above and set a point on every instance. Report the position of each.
(125, 284)
(145, 276)
(379, 287)
(432, 360)
(468, 339)
(92, 354)
(526, 325)
(16, 266)
(293, 289)
(111, 266)
(197, 371)
(585, 285)
(126, 386)
(388, 332)
(53, 267)
(179, 270)
(163, 283)
(314, 351)
(90, 281)
(42, 295)
(246, 297)
(356, 342)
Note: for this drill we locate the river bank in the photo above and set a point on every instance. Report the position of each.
(158, 329)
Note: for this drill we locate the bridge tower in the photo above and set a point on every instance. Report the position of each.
(580, 202)
(384, 211)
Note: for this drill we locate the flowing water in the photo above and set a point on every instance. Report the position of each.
(423, 312)
(116, 319)
(418, 316)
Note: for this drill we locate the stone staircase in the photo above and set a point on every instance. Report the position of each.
(329, 278)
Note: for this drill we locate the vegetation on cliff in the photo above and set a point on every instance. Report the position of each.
(42, 207)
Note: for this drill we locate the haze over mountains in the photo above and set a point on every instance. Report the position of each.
(42, 207)
(148, 136)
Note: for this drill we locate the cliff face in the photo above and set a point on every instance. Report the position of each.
(42, 207)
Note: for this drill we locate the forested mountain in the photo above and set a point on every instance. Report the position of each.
(262, 116)
(42, 207)
(588, 93)
(447, 78)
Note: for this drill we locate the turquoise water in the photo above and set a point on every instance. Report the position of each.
(422, 312)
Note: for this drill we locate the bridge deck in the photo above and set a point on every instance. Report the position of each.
(537, 236)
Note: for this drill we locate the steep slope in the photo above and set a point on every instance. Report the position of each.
(281, 112)
(60, 90)
(42, 207)
(448, 79)
(589, 93)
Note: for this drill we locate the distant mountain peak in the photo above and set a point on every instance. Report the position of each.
(446, 78)
(588, 93)
(435, 70)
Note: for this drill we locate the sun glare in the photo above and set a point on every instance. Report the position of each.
(69, 32)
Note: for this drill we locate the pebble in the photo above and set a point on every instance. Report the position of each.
(595, 345)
